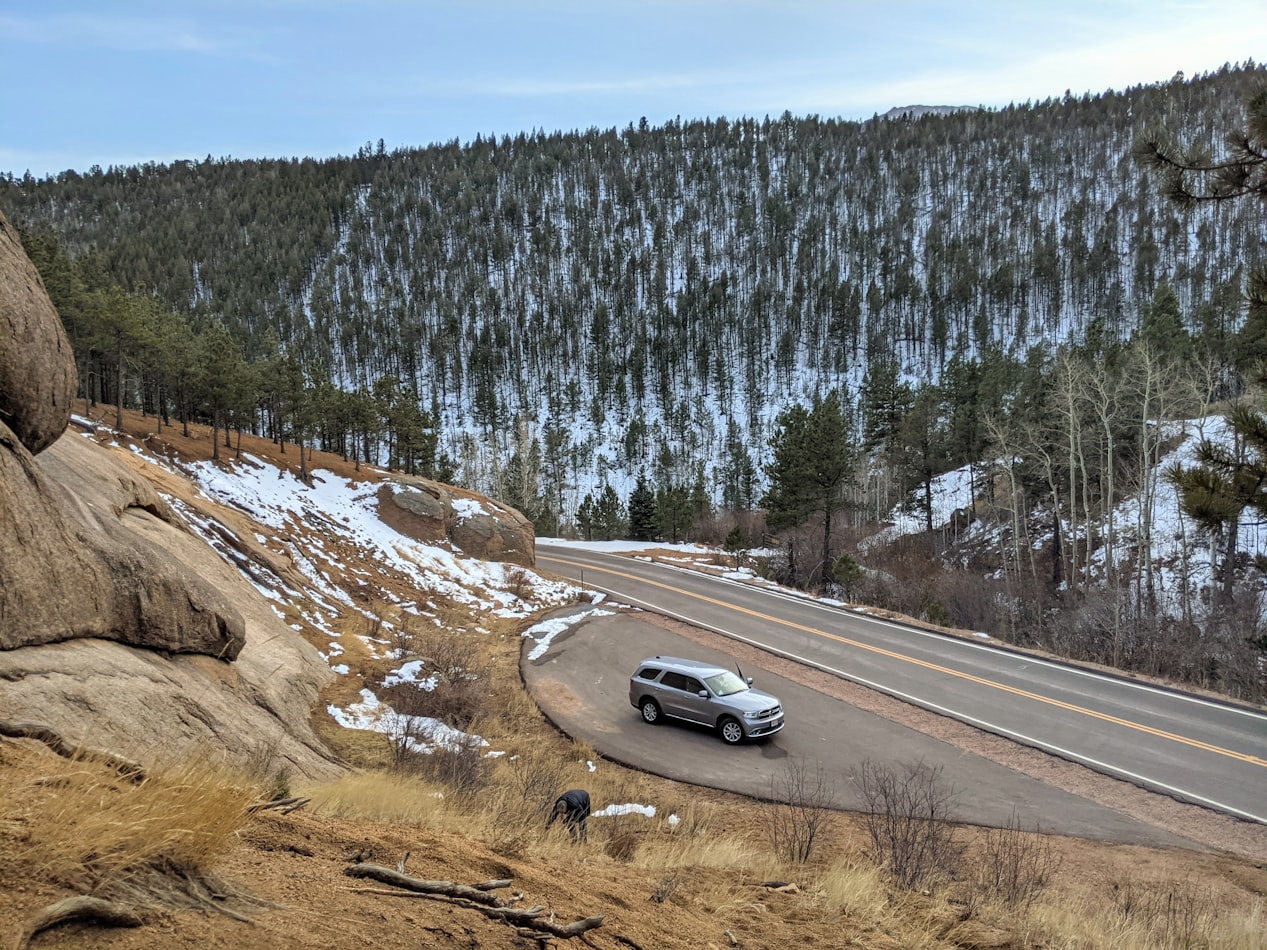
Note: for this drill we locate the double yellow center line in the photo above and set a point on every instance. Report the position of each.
(1036, 697)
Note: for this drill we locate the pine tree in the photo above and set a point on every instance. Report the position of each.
(642, 511)
(587, 517)
(673, 511)
(609, 515)
(814, 461)
(921, 451)
(885, 399)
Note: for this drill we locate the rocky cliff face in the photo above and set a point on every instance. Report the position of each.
(37, 367)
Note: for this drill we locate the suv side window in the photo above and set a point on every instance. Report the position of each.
(675, 680)
(692, 685)
(648, 673)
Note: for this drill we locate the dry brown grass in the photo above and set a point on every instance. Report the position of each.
(386, 796)
(78, 824)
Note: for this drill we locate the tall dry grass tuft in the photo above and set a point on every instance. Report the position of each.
(857, 890)
(384, 796)
(87, 829)
(660, 852)
(1167, 918)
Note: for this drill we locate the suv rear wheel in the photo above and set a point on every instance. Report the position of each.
(730, 730)
(650, 711)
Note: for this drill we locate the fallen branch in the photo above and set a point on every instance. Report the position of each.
(53, 739)
(526, 921)
(376, 872)
(91, 909)
(568, 931)
(286, 804)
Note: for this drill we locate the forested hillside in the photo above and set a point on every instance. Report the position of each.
(623, 331)
(650, 299)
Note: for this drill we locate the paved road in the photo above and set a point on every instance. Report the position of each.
(1206, 752)
(581, 682)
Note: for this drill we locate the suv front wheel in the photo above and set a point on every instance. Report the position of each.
(650, 711)
(730, 730)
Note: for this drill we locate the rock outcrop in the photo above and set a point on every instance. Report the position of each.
(79, 561)
(478, 526)
(37, 366)
(94, 564)
(145, 704)
(72, 562)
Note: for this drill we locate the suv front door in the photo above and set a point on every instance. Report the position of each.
(682, 698)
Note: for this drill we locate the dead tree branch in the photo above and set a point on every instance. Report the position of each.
(526, 920)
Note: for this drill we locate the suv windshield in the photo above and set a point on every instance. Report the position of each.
(723, 684)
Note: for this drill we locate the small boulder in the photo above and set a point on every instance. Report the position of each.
(478, 526)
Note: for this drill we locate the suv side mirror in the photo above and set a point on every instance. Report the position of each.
(703, 694)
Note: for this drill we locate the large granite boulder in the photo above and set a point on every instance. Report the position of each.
(38, 379)
(478, 526)
(79, 560)
(93, 564)
(174, 593)
(73, 563)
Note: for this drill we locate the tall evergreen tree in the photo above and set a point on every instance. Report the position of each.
(642, 511)
(673, 511)
(813, 463)
(609, 515)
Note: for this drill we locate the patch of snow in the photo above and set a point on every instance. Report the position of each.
(626, 809)
(545, 631)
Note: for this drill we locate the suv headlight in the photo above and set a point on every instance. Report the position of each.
(751, 715)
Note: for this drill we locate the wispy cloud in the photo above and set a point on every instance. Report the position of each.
(123, 34)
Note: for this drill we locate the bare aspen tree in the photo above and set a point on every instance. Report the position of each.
(1067, 379)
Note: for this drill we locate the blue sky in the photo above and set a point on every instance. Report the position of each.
(129, 81)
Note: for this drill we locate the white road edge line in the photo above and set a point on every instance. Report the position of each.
(1099, 766)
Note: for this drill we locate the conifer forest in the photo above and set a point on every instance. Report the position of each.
(765, 333)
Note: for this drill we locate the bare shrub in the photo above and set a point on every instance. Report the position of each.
(1015, 864)
(803, 800)
(519, 582)
(1179, 915)
(536, 779)
(908, 820)
(456, 691)
(403, 639)
(665, 887)
(510, 825)
(456, 763)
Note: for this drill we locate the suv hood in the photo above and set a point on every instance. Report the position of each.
(751, 700)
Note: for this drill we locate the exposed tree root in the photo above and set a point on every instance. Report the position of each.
(90, 909)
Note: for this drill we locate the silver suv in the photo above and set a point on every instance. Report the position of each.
(706, 694)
